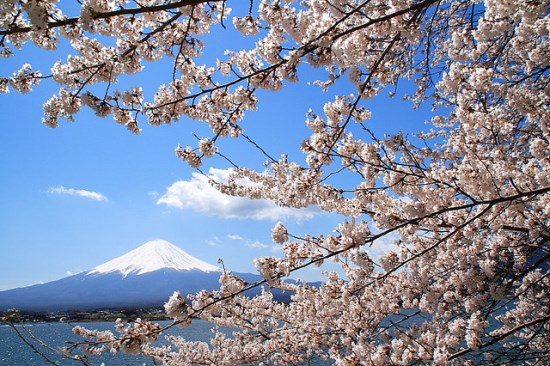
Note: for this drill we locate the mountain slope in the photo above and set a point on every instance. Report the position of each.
(109, 291)
(146, 276)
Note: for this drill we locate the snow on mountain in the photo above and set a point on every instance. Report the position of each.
(152, 256)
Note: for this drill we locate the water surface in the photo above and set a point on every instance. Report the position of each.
(14, 352)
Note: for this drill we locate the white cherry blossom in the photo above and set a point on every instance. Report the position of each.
(466, 202)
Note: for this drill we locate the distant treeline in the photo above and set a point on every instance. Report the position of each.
(69, 316)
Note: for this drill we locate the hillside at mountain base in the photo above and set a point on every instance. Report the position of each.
(143, 277)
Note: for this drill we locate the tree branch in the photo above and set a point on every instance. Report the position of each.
(109, 14)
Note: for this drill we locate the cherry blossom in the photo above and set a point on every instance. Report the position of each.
(465, 202)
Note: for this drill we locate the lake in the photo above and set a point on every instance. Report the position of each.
(14, 352)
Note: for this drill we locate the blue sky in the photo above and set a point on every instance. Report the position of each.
(81, 194)
(86, 192)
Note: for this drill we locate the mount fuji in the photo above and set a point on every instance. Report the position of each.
(143, 277)
(153, 256)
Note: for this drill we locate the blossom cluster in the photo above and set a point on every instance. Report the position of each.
(131, 338)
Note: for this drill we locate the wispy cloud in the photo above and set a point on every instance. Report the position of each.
(77, 192)
(234, 237)
(257, 245)
(214, 242)
(199, 195)
(253, 244)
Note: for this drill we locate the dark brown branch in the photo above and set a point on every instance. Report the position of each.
(39, 352)
(109, 14)
(490, 203)
(501, 336)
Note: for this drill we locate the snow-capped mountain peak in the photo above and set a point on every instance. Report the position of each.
(152, 256)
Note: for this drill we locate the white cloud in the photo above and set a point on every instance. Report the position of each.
(199, 195)
(77, 192)
(234, 237)
(382, 246)
(214, 242)
(257, 245)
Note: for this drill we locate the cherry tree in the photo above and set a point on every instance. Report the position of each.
(466, 202)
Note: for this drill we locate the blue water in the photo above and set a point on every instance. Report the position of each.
(14, 352)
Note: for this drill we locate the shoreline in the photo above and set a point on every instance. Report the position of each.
(82, 316)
